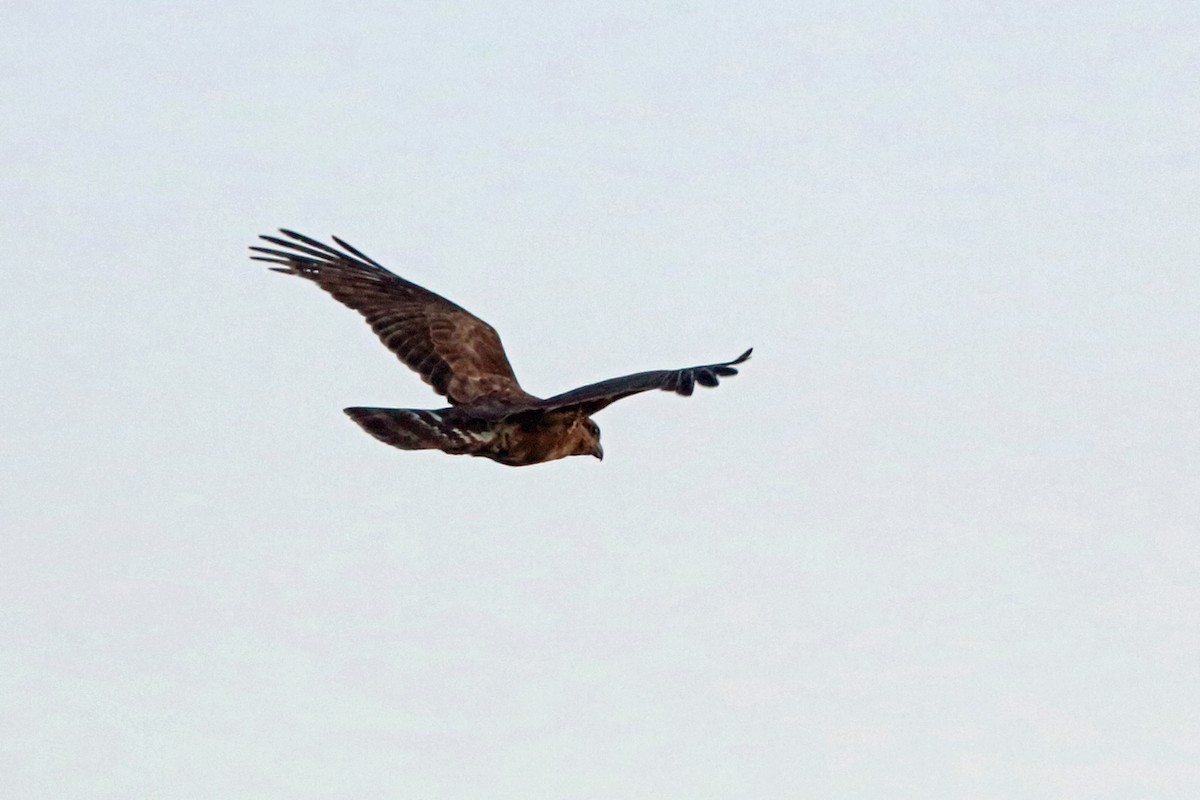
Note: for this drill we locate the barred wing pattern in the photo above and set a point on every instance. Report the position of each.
(590, 399)
(455, 352)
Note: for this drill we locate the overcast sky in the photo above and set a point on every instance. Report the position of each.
(938, 539)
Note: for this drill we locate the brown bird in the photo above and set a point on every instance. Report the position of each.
(461, 357)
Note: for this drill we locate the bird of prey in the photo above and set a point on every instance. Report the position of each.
(461, 357)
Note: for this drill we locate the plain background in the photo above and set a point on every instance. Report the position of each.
(938, 539)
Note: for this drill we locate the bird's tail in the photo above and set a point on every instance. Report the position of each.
(419, 429)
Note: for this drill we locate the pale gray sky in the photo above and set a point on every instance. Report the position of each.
(939, 538)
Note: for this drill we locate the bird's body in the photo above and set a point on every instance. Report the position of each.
(478, 431)
(461, 356)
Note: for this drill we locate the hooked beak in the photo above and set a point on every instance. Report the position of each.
(598, 451)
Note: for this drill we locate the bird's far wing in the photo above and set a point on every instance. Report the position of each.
(455, 352)
(592, 398)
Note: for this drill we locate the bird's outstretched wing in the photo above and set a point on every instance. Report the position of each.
(592, 398)
(455, 352)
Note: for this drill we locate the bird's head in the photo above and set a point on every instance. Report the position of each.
(587, 439)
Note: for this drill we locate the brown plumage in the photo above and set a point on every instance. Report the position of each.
(462, 358)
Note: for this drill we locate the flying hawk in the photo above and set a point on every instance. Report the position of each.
(461, 357)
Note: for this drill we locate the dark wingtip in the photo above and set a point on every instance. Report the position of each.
(744, 356)
(360, 254)
(314, 249)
